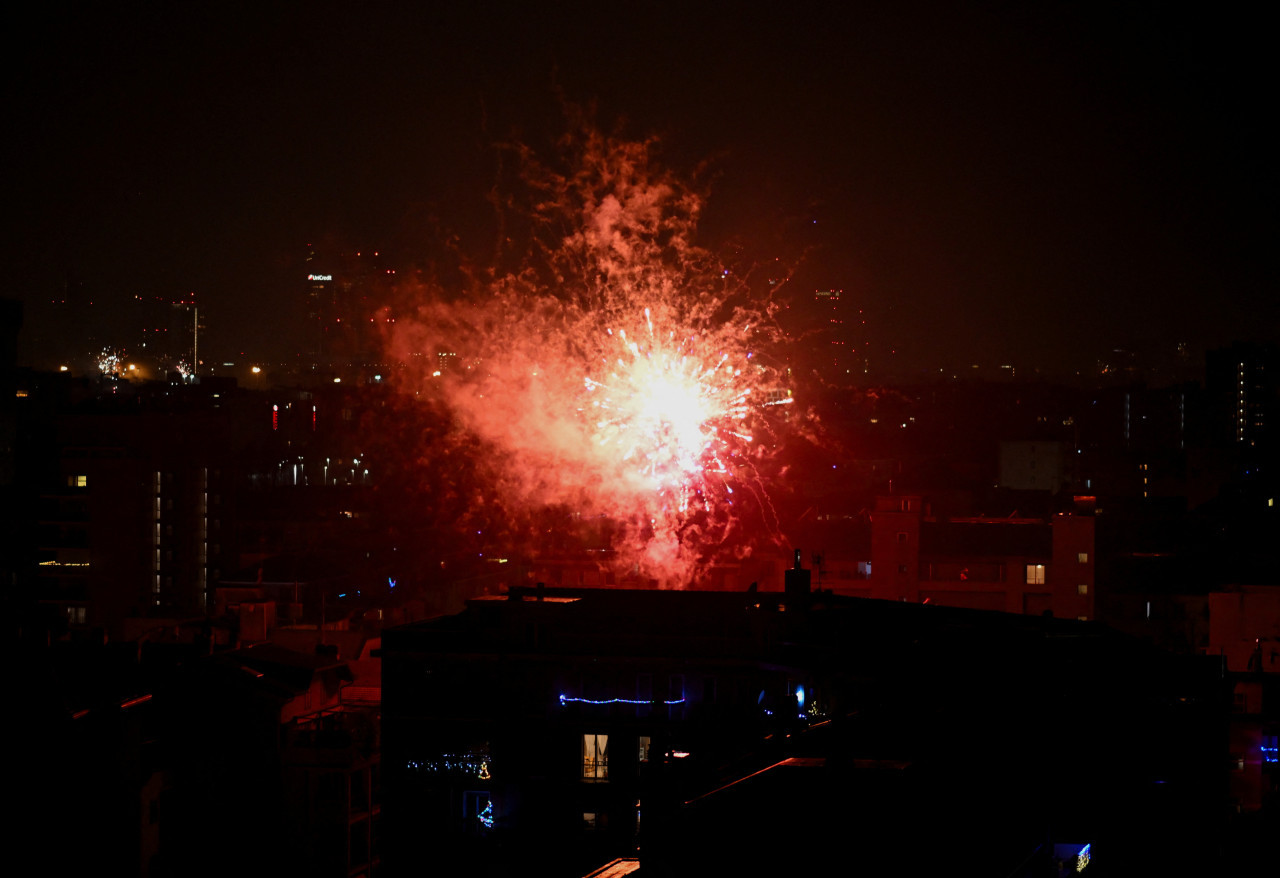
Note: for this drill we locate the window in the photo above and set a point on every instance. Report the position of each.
(77, 481)
(595, 757)
(1082, 557)
(1035, 574)
(645, 743)
(902, 536)
(1082, 589)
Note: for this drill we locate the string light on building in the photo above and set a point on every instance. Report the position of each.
(565, 699)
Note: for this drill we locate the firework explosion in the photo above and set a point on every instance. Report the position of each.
(109, 362)
(617, 371)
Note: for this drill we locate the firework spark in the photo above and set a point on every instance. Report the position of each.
(109, 362)
(617, 371)
(679, 419)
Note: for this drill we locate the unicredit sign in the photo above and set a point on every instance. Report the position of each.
(319, 277)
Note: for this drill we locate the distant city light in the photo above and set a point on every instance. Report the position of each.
(255, 370)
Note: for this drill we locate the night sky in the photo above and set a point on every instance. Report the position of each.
(1026, 183)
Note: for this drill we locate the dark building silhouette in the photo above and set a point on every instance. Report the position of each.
(756, 731)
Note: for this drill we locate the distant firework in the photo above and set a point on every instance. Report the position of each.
(109, 362)
(618, 370)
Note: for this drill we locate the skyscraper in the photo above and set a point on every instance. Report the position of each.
(1242, 383)
(831, 333)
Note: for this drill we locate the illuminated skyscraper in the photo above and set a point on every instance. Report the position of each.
(832, 338)
(1242, 382)
(169, 334)
(841, 352)
(346, 301)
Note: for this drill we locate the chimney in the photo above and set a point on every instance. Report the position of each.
(796, 583)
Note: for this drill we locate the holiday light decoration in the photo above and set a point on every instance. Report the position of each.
(452, 763)
(1083, 858)
(565, 699)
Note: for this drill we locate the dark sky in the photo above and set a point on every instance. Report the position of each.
(1027, 183)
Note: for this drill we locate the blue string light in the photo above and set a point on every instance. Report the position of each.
(565, 699)
(486, 816)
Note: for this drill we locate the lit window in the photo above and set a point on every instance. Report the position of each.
(1082, 557)
(645, 743)
(1035, 574)
(595, 757)
(78, 481)
(1082, 618)
(1082, 589)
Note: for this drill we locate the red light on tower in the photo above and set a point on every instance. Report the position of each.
(313, 419)
(275, 417)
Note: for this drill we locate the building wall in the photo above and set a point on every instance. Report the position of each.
(1244, 627)
(1034, 466)
(895, 548)
(1071, 576)
(983, 573)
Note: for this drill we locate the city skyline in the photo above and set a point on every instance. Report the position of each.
(989, 186)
